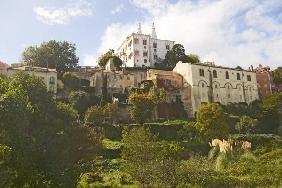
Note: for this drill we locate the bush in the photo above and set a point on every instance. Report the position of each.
(246, 125)
(267, 141)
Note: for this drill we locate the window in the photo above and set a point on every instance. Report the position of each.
(144, 42)
(130, 43)
(227, 75)
(214, 73)
(155, 50)
(136, 41)
(145, 60)
(238, 76)
(52, 80)
(249, 78)
(154, 45)
(202, 72)
(215, 86)
(145, 54)
(155, 57)
(167, 47)
(203, 85)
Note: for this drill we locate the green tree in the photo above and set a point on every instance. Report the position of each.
(41, 133)
(60, 55)
(239, 68)
(117, 61)
(211, 121)
(96, 115)
(142, 105)
(270, 118)
(192, 58)
(104, 58)
(246, 125)
(179, 51)
(170, 59)
(277, 75)
(71, 82)
(80, 100)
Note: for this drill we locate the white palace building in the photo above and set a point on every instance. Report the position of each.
(141, 50)
(211, 83)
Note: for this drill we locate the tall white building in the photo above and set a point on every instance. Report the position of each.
(212, 83)
(141, 50)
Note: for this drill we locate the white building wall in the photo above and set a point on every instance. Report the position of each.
(138, 50)
(223, 90)
(48, 77)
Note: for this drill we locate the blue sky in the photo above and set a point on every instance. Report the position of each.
(229, 32)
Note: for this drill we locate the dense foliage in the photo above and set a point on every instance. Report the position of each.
(176, 54)
(37, 134)
(211, 121)
(46, 143)
(60, 55)
(104, 58)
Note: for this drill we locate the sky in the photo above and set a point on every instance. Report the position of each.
(227, 32)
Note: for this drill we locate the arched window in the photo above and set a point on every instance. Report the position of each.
(214, 73)
(203, 85)
(227, 75)
(238, 76)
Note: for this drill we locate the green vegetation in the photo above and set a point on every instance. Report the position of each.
(77, 143)
(177, 53)
(60, 55)
(277, 75)
(104, 58)
(211, 121)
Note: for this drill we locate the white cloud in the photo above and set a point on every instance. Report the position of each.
(233, 32)
(52, 16)
(118, 9)
(114, 36)
(89, 60)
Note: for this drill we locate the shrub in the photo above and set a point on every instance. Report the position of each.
(246, 125)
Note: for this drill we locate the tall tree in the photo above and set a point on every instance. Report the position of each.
(179, 51)
(170, 59)
(60, 55)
